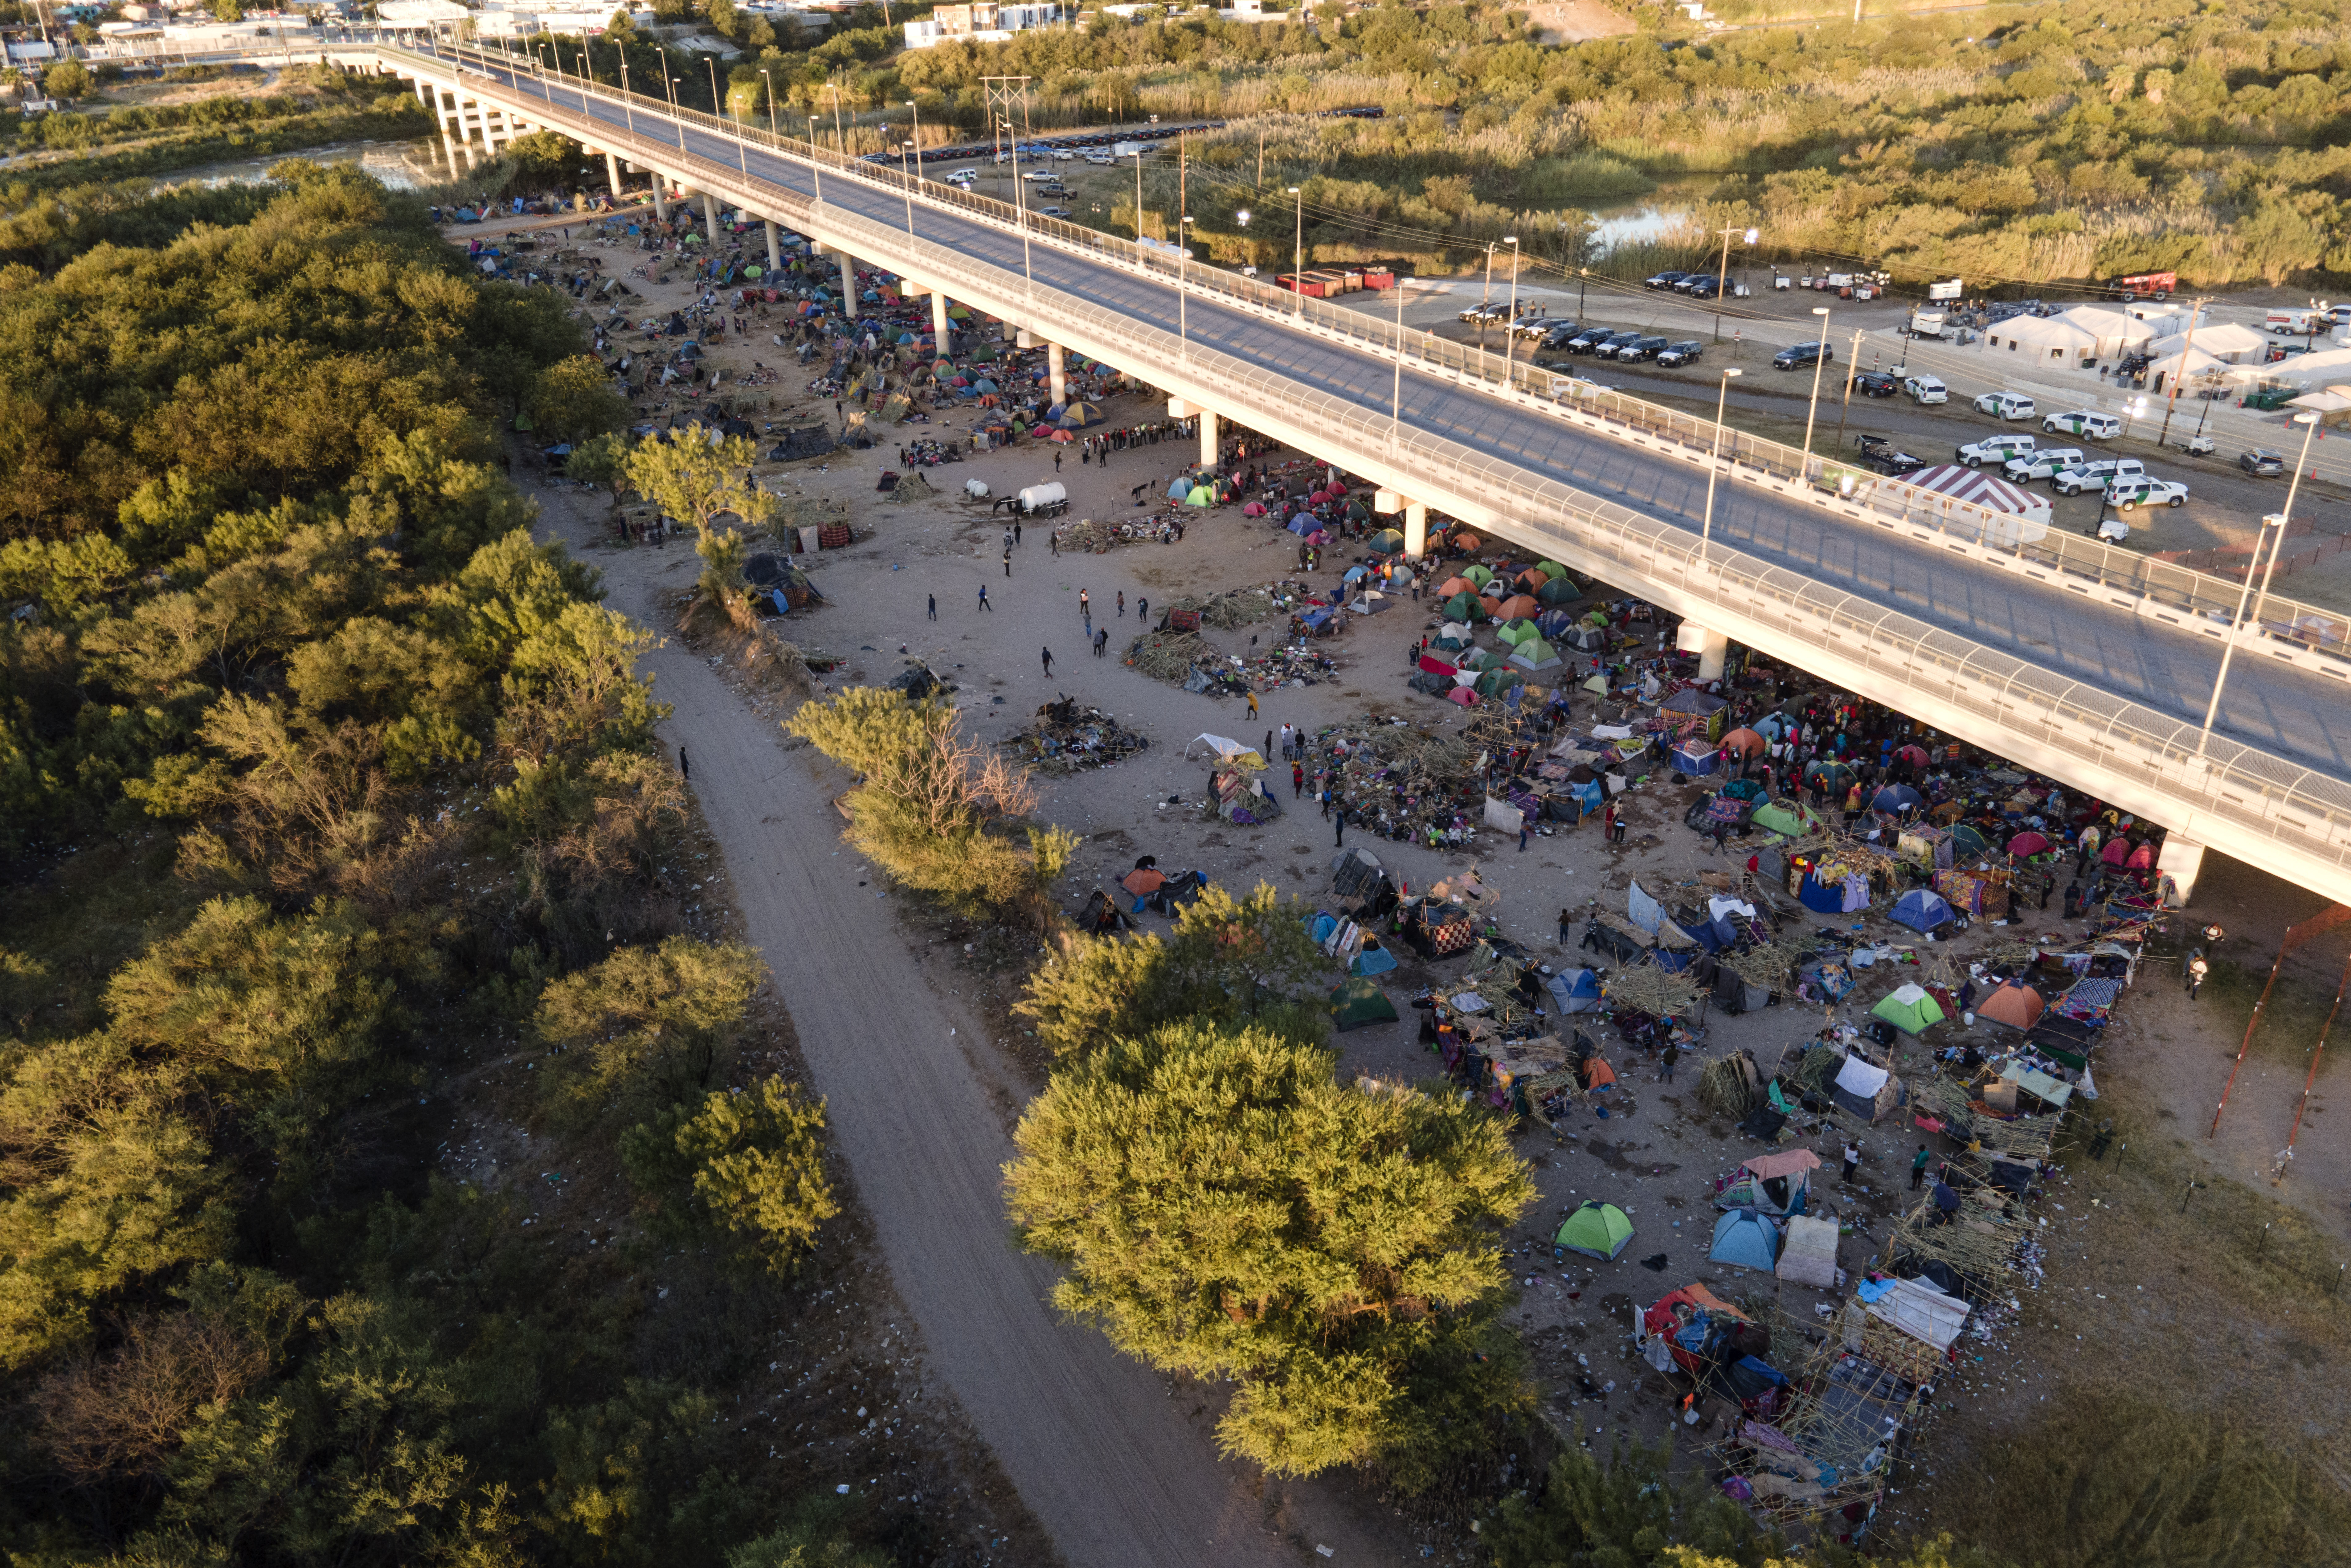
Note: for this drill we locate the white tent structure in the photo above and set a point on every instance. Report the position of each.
(2042, 339)
(2116, 332)
(2199, 368)
(2324, 369)
(2227, 342)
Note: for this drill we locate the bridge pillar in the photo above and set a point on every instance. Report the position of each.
(1709, 646)
(1057, 372)
(940, 326)
(710, 218)
(1208, 442)
(1415, 530)
(848, 283)
(612, 172)
(661, 197)
(775, 248)
(2182, 861)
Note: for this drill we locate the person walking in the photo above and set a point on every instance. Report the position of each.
(1918, 1164)
(1102, 641)
(1015, 532)
(1142, 609)
(1085, 606)
(1252, 702)
(684, 769)
(934, 606)
(1049, 664)
(2196, 968)
(1852, 1161)
(1296, 780)
(1008, 560)
(1056, 461)
(1338, 830)
(984, 604)
(1121, 602)
(1526, 832)
(1665, 1060)
(1566, 925)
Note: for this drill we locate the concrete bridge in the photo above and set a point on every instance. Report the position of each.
(2090, 664)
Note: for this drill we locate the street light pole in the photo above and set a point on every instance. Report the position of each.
(1510, 332)
(628, 100)
(1813, 407)
(669, 86)
(1852, 374)
(1396, 397)
(1020, 208)
(816, 165)
(1714, 463)
(1183, 255)
(905, 173)
(2280, 521)
(773, 131)
(1722, 275)
(1298, 247)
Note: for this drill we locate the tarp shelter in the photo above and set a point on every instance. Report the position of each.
(2052, 1092)
(1978, 487)
(1573, 991)
(1745, 1239)
(1693, 1329)
(1597, 1229)
(1915, 1307)
(1865, 1090)
(1692, 701)
(1908, 1009)
(2018, 1006)
(1230, 752)
(1360, 1002)
(1808, 1257)
(1772, 1184)
(1922, 909)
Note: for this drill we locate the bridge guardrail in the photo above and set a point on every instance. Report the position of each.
(2299, 811)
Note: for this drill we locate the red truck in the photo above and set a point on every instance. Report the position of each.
(2145, 285)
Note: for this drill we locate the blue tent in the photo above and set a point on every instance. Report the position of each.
(1895, 798)
(1922, 909)
(1573, 991)
(1179, 487)
(1745, 1239)
(1372, 961)
(1304, 523)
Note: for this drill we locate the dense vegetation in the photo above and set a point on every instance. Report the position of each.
(336, 845)
(2029, 142)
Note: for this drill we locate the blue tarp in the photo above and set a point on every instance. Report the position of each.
(1922, 910)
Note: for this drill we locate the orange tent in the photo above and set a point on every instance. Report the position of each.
(1521, 606)
(2019, 1007)
(1453, 585)
(1744, 742)
(1144, 881)
(1534, 576)
(1597, 1074)
(1466, 540)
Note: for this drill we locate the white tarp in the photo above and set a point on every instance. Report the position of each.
(1808, 1256)
(1232, 752)
(1503, 815)
(1644, 910)
(1861, 1080)
(1920, 1311)
(1719, 907)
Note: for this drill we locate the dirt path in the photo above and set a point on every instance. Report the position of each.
(1107, 1461)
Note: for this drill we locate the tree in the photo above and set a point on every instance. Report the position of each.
(646, 1023)
(599, 460)
(749, 1167)
(1225, 1208)
(1228, 960)
(228, 10)
(1623, 1512)
(931, 802)
(574, 400)
(698, 478)
(67, 80)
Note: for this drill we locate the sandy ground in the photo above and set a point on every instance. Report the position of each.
(925, 1081)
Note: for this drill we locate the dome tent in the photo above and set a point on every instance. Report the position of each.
(1744, 1239)
(1597, 1229)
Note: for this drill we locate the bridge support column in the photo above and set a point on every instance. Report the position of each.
(710, 218)
(848, 283)
(1415, 530)
(775, 248)
(1057, 372)
(661, 196)
(1209, 440)
(1709, 646)
(2183, 860)
(612, 172)
(941, 327)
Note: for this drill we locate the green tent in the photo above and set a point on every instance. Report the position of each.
(1478, 574)
(1598, 1231)
(1358, 1002)
(1534, 653)
(1786, 818)
(1553, 570)
(1516, 631)
(1201, 495)
(1910, 1009)
(1465, 606)
(1498, 680)
(1387, 541)
(1965, 841)
(1557, 590)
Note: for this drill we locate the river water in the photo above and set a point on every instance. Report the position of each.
(403, 165)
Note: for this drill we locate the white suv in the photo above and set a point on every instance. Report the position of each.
(2140, 490)
(2004, 406)
(1927, 389)
(2041, 464)
(1996, 449)
(2095, 475)
(2086, 422)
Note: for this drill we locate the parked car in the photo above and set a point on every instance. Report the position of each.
(1706, 288)
(1588, 341)
(1559, 337)
(1665, 279)
(2004, 406)
(1609, 346)
(1539, 326)
(963, 176)
(1639, 349)
(1052, 212)
(1885, 457)
(2144, 490)
(2263, 465)
(1797, 355)
(1875, 384)
(1686, 352)
(2095, 475)
(2086, 422)
(1995, 449)
(2042, 463)
(1927, 389)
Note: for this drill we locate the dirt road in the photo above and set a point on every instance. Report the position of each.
(1109, 1464)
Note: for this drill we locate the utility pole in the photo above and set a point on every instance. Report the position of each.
(998, 97)
(1260, 159)
(1852, 374)
(1723, 275)
(2171, 400)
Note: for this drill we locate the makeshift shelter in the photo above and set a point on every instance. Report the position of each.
(1771, 1184)
(1695, 1330)
(2017, 1006)
(1809, 1255)
(1789, 819)
(1866, 1091)
(1908, 1009)
(1358, 1003)
(1906, 1326)
(1922, 911)
(1573, 991)
(1597, 1229)
(1231, 753)
(1745, 1239)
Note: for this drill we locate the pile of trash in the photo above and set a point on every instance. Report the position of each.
(1065, 736)
(1170, 657)
(1400, 782)
(1088, 537)
(1241, 607)
(1288, 664)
